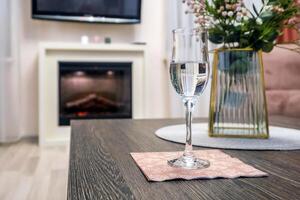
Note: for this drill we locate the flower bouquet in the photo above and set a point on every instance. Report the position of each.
(236, 24)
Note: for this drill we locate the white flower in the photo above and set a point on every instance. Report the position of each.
(237, 24)
(245, 18)
(244, 10)
(238, 18)
(230, 13)
(238, 8)
(224, 13)
(259, 21)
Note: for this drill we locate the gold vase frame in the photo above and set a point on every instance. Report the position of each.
(238, 131)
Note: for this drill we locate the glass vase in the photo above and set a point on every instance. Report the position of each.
(238, 101)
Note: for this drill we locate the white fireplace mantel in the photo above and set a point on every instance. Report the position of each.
(50, 53)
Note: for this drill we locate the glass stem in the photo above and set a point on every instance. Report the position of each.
(189, 105)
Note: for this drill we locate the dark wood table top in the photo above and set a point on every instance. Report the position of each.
(101, 167)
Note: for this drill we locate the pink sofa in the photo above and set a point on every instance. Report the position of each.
(282, 77)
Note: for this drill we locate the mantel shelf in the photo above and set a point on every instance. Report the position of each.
(93, 46)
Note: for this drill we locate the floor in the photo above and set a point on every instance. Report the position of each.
(28, 172)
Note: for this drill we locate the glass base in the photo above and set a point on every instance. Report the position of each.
(189, 162)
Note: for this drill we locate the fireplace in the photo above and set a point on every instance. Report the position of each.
(128, 58)
(94, 90)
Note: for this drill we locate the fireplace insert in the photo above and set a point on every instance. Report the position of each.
(94, 90)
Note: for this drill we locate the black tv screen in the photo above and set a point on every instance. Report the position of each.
(103, 11)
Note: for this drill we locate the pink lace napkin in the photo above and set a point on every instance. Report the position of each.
(155, 168)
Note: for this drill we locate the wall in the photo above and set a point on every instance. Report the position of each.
(151, 31)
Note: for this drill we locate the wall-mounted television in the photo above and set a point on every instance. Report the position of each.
(93, 11)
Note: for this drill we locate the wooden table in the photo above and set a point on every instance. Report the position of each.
(101, 167)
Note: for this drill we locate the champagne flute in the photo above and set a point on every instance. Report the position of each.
(189, 73)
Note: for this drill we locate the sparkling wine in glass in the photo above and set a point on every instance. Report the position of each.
(189, 72)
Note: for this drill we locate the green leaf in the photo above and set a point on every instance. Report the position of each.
(272, 2)
(272, 36)
(244, 42)
(267, 15)
(216, 38)
(268, 47)
(258, 45)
